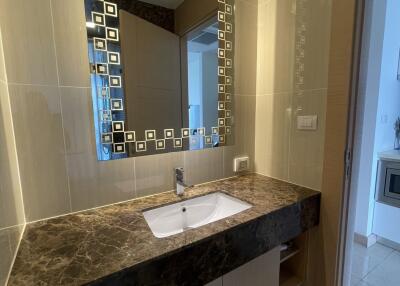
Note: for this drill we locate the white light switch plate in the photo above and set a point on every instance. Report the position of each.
(307, 122)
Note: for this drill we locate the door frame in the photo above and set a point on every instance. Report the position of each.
(348, 206)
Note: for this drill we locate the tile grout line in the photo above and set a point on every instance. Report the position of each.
(9, 227)
(61, 107)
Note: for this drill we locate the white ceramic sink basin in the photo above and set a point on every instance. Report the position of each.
(193, 213)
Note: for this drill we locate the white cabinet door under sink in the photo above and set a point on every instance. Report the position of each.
(261, 271)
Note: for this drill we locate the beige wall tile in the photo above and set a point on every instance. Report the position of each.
(12, 216)
(6, 256)
(11, 206)
(92, 183)
(28, 41)
(77, 115)
(2, 65)
(14, 236)
(155, 174)
(305, 175)
(4, 209)
(282, 151)
(40, 145)
(293, 45)
(245, 47)
(293, 50)
(96, 183)
(203, 165)
(245, 107)
(9, 239)
(245, 84)
(273, 123)
(244, 129)
(275, 59)
(71, 43)
(307, 147)
(314, 42)
(229, 153)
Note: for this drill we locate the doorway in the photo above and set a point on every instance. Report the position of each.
(372, 254)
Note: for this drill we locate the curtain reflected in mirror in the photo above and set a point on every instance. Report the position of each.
(202, 60)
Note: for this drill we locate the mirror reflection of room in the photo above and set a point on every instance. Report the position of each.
(173, 88)
(202, 59)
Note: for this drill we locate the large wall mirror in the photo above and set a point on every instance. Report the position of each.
(161, 75)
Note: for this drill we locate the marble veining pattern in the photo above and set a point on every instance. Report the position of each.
(114, 243)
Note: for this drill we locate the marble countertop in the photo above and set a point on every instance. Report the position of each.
(113, 244)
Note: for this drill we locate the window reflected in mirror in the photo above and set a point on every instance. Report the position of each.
(202, 61)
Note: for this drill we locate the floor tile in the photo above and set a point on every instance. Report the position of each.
(354, 280)
(377, 250)
(367, 259)
(387, 273)
(363, 283)
(362, 265)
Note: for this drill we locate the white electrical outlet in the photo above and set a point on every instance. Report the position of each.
(241, 164)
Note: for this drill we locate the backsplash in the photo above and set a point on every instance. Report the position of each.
(12, 218)
(52, 114)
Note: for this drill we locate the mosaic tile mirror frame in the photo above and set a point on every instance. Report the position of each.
(136, 111)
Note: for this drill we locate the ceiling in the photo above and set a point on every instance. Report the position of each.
(171, 4)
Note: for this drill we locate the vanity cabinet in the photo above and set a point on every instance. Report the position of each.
(261, 271)
(274, 268)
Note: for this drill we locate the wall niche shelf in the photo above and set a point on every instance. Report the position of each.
(293, 262)
(289, 253)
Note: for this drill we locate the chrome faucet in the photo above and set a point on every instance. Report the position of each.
(180, 184)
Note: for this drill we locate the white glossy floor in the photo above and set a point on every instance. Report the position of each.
(375, 266)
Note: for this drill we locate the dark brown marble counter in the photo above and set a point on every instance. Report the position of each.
(113, 245)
